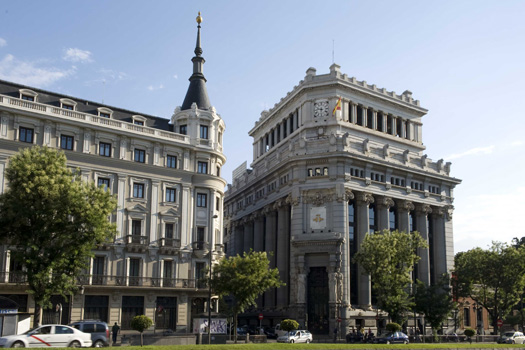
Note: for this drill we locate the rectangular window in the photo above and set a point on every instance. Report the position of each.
(138, 122)
(168, 230)
(202, 199)
(204, 132)
(104, 149)
(136, 227)
(67, 107)
(171, 162)
(202, 167)
(140, 156)
(104, 115)
(138, 190)
(168, 268)
(28, 98)
(104, 182)
(183, 129)
(66, 142)
(170, 195)
(217, 203)
(26, 135)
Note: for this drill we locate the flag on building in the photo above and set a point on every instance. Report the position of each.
(337, 106)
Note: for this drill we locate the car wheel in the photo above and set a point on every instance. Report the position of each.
(18, 344)
(74, 344)
(292, 341)
(513, 342)
(98, 344)
(388, 341)
(307, 341)
(405, 342)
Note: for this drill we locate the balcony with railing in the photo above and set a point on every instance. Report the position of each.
(137, 243)
(169, 245)
(135, 281)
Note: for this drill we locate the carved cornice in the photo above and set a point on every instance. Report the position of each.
(318, 199)
(438, 211)
(449, 209)
(406, 205)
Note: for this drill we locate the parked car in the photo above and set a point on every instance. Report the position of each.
(49, 335)
(98, 330)
(278, 331)
(299, 336)
(511, 338)
(392, 338)
(270, 332)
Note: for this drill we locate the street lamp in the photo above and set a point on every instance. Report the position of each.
(210, 253)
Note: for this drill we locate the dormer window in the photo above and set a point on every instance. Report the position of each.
(183, 129)
(28, 95)
(139, 120)
(104, 112)
(66, 103)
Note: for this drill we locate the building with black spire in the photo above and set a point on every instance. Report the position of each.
(166, 176)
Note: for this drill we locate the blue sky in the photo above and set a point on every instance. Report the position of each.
(464, 60)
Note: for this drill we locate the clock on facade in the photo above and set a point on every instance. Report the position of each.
(321, 109)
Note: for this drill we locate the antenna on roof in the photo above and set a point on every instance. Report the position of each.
(333, 51)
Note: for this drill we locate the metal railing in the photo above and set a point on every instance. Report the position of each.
(170, 242)
(200, 245)
(136, 239)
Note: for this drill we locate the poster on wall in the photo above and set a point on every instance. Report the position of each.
(318, 218)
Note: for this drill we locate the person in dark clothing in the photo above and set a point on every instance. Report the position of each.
(115, 329)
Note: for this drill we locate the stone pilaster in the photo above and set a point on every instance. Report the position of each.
(383, 205)
(422, 212)
(363, 200)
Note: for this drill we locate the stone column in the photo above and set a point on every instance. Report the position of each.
(422, 212)
(154, 211)
(270, 242)
(363, 200)
(394, 125)
(187, 205)
(121, 200)
(283, 249)
(440, 249)
(2, 171)
(403, 129)
(258, 234)
(403, 211)
(383, 205)
(365, 115)
(248, 234)
(353, 115)
(374, 119)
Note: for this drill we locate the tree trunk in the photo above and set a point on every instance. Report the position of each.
(235, 327)
(37, 315)
(141, 339)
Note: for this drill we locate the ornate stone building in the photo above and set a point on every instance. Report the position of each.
(334, 159)
(165, 174)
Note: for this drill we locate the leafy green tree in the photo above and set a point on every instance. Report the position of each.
(244, 278)
(469, 332)
(140, 324)
(389, 258)
(289, 325)
(51, 220)
(493, 278)
(435, 302)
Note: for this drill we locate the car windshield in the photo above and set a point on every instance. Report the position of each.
(508, 334)
(30, 331)
(293, 332)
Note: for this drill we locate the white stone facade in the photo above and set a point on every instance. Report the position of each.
(166, 177)
(321, 178)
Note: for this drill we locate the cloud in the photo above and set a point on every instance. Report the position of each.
(175, 76)
(29, 73)
(517, 143)
(152, 88)
(471, 152)
(3, 42)
(77, 55)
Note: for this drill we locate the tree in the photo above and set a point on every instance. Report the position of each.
(393, 327)
(244, 278)
(389, 258)
(435, 302)
(493, 278)
(289, 325)
(51, 220)
(140, 324)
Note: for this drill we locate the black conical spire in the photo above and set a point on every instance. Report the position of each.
(197, 91)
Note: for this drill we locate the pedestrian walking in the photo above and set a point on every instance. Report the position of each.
(115, 329)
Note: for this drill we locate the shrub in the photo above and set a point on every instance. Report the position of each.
(393, 327)
(469, 332)
(289, 325)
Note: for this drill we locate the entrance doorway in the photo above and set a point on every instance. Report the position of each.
(318, 297)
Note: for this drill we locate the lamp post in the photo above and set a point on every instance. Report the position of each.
(210, 253)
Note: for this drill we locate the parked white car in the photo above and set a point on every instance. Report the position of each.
(299, 336)
(49, 335)
(512, 338)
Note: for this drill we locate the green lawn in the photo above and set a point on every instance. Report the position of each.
(314, 346)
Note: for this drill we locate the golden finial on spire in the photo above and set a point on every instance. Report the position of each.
(199, 18)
